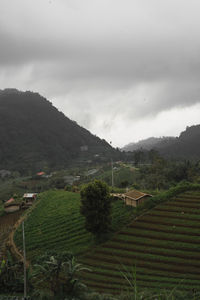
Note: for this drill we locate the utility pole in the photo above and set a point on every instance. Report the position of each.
(112, 173)
(24, 250)
(112, 169)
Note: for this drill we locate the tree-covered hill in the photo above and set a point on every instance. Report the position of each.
(35, 135)
(148, 144)
(186, 146)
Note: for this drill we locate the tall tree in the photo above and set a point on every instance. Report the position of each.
(96, 207)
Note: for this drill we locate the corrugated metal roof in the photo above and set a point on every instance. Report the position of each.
(29, 195)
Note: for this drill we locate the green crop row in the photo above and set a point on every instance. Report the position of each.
(109, 269)
(167, 227)
(180, 215)
(150, 249)
(150, 233)
(177, 209)
(148, 255)
(127, 239)
(159, 219)
(119, 278)
(150, 266)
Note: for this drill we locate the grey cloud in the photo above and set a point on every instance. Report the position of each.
(99, 60)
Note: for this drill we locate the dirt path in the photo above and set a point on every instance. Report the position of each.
(7, 223)
(10, 241)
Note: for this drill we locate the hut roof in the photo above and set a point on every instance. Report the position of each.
(136, 195)
(40, 173)
(29, 195)
(11, 202)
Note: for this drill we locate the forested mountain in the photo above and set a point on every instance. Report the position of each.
(186, 146)
(35, 135)
(148, 144)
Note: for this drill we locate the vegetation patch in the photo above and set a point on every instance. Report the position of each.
(56, 223)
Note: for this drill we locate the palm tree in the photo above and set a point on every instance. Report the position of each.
(71, 270)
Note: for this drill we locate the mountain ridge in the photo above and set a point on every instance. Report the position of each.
(185, 146)
(35, 135)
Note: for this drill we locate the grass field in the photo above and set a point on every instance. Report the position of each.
(56, 224)
(161, 247)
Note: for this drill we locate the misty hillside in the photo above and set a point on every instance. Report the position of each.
(148, 144)
(186, 146)
(35, 135)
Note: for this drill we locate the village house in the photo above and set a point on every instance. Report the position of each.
(29, 198)
(11, 205)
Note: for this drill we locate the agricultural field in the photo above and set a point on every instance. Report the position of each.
(161, 249)
(56, 223)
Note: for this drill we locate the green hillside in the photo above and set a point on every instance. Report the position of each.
(56, 224)
(34, 135)
(163, 246)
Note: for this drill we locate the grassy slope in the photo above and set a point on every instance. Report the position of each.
(56, 224)
(163, 245)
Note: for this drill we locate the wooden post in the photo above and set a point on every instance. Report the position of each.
(24, 250)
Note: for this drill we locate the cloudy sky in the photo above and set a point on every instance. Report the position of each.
(124, 69)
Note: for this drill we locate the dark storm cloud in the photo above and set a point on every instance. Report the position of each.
(133, 59)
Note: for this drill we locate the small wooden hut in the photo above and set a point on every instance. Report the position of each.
(135, 198)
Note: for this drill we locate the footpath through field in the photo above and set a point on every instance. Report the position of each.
(7, 223)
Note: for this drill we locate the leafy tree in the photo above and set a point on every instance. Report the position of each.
(96, 207)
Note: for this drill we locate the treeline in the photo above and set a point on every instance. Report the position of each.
(156, 172)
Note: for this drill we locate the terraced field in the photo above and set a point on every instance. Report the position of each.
(56, 224)
(163, 246)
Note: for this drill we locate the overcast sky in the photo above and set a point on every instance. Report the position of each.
(124, 69)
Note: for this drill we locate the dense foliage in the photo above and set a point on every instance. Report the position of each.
(10, 275)
(154, 172)
(96, 207)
